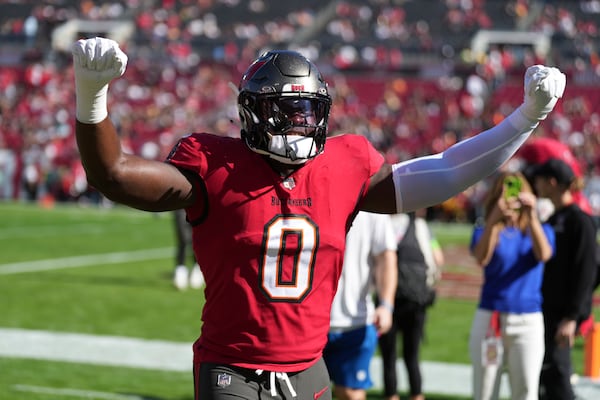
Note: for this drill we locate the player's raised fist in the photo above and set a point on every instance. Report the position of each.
(543, 87)
(98, 59)
(96, 62)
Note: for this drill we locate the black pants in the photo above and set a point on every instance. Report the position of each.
(183, 238)
(410, 321)
(224, 382)
(555, 379)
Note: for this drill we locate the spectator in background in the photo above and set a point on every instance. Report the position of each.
(417, 252)
(511, 246)
(569, 277)
(8, 169)
(369, 258)
(182, 276)
(540, 150)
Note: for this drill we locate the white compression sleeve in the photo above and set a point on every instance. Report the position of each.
(430, 180)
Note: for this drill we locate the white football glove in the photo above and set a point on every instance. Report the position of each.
(96, 62)
(543, 87)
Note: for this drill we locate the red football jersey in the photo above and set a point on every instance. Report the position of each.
(271, 249)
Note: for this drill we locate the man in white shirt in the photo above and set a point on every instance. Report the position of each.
(369, 264)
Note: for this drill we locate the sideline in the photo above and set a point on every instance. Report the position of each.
(439, 378)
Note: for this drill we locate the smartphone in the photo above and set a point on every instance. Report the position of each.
(512, 187)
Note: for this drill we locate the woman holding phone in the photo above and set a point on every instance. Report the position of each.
(511, 246)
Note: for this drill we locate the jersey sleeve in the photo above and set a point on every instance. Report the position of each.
(188, 156)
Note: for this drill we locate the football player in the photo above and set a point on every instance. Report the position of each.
(270, 210)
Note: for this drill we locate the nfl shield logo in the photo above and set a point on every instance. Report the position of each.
(289, 183)
(223, 380)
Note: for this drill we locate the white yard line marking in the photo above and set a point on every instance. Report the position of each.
(85, 261)
(438, 377)
(120, 351)
(86, 394)
(95, 349)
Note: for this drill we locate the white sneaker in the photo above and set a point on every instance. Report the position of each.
(196, 277)
(180, 277)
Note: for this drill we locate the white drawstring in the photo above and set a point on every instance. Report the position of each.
(281, 376)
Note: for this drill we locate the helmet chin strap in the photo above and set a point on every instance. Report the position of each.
(292, 149)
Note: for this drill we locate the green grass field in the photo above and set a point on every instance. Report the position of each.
(134, 298)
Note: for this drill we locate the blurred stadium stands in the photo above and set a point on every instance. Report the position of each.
(413, 76)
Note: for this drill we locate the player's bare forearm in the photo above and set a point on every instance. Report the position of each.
(99, 147)
(381, 195)
(128, 179)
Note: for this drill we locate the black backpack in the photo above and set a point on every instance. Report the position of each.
(412, 271)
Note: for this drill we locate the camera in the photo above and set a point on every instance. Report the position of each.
(512, 187)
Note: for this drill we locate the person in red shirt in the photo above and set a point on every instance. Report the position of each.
(541, 149)
(270, 210)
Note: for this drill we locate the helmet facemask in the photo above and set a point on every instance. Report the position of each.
(280, 117)
(290, 129)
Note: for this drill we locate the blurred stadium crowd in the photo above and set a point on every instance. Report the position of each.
(405, 73)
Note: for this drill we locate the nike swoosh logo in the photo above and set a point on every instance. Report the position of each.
(320, 393)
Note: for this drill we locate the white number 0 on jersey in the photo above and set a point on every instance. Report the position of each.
(276, 243)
